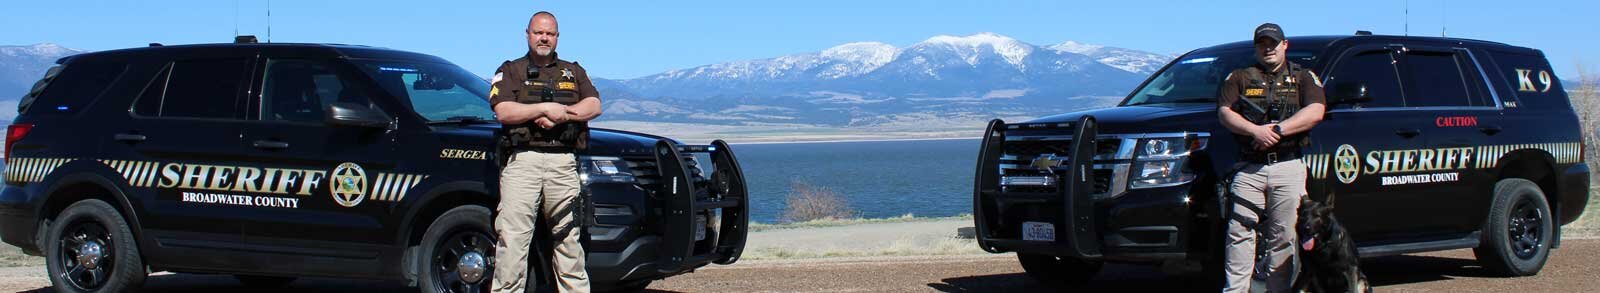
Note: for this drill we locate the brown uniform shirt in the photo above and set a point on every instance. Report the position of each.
(1260, 86)
(561, 82)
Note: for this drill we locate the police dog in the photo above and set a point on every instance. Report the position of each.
(1328, 259)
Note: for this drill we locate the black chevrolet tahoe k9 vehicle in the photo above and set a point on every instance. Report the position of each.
(1428, 144)
(276, 161)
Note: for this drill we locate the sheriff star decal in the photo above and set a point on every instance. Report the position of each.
(567, 74)
(349, 185)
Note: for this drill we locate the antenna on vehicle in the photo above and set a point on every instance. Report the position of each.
(1444, 18)
(1407, 12)
(235, 18)
(269, 21)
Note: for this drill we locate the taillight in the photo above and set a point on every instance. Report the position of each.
(14, 133)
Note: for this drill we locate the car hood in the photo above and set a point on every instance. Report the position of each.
(1191, 117)
(602, 141)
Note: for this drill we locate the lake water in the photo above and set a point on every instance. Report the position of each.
(928, 178)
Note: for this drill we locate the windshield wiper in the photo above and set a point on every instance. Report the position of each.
(1194, 100)
(460, 120)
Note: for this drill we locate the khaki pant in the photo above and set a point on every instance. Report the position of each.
(1266, 201)
(534, 183)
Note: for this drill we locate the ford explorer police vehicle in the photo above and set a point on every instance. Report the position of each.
(276, 161)
(1428, 144)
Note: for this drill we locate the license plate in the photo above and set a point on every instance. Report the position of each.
(699, 228)
(1038, 231)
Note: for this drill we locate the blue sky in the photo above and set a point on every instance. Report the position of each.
(625, 39)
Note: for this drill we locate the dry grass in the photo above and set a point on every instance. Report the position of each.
(902, 247)
(824, 223)
(808, 202)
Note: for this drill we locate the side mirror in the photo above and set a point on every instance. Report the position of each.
(357, 115)
(1350, 93)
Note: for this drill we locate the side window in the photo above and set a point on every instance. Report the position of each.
(149, 103)
(1371, 69)
(1436, 80)
(301, 90)
(199, 89)
(76, 86)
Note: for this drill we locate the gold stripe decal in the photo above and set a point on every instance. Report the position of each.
(393, 187)
(26, 170)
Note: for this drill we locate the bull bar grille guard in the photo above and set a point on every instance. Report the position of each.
(726, 191)
(1079, 236)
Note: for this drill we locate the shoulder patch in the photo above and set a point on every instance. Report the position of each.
(497, 77)
(1314, 78)
(1229, 77)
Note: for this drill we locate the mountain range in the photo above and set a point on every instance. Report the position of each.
(954, 80)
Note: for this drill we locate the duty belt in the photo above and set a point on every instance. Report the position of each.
(1268, 158)
(543, 149)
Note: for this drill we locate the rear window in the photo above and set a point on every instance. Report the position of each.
(195, 89)
(1437, 79)
(76, 86)
(1529, 79)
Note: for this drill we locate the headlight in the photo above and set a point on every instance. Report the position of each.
(1163, 161)
(604, 169)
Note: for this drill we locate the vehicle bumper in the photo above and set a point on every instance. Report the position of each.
(18, 225)
(1574, 193)
(1141, 225)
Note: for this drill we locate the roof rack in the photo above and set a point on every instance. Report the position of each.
(1363, 33)
(244, 39)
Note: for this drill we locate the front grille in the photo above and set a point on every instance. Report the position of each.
(644, 169)
(1019, 155)
(1105, 148)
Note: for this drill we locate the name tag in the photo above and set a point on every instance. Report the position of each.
(566, 85)
(1255, 92)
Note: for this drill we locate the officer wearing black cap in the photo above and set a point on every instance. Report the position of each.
(545, 104)
(1270, 107)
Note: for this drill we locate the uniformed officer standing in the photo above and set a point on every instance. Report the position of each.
(1270, 107)
(544, 103)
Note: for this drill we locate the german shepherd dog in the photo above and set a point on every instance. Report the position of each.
(1328, 259)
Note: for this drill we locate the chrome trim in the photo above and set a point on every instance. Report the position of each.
(1028, 181)
(600, 158)
(1498, 104)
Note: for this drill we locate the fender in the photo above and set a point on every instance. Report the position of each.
(77, 173)
(415, 205)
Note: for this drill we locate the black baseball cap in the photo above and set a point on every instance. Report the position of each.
(1269, 30)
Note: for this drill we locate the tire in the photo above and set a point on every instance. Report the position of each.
(1518, 233)
(93, 226)
(264, 282)
(1058, 272)
(447, 243)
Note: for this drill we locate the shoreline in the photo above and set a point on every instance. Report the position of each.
(850, 140)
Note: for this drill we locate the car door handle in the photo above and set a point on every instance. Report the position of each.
(271, 145)
(1408, 133)
(1490, 130)
(129, 137)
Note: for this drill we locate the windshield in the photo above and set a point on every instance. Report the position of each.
(436, 91)
(1197, 78)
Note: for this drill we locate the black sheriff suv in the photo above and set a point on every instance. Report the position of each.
(1428, 143)
(276, 161)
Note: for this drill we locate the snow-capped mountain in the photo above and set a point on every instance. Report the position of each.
(868, 82)
(20, 67)
(1125, 59)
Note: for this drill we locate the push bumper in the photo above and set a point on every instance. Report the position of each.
(724, 194)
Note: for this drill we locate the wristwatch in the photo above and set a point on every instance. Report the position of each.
(1277, 129)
